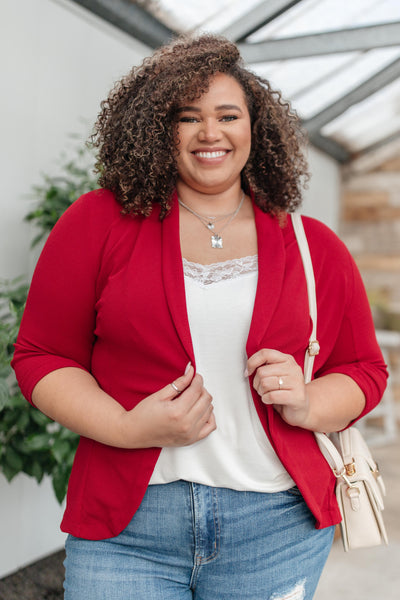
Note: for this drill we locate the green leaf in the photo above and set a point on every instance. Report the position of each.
(4, 393)
(23, 420)
(9, 472)
(39, 441)
(35, 470)
(5, 370)
(67, 434)
(61, 450)
(39, 418)
(60, 477)
(13, 459)
(17, 402)
(20, 445)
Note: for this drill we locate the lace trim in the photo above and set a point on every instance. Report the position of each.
(221, 271)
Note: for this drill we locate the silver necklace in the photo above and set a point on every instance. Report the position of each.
(209, 222)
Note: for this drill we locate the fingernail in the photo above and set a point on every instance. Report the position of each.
(246, 373)
(188, 367)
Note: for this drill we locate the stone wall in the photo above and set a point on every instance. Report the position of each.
(370, 227)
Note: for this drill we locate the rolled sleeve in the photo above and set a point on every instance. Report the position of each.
(57, 328)
(355, 351)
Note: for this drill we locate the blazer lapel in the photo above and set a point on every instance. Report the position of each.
(271, 267)
(174, 283)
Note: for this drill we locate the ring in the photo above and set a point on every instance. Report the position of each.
(176, 388)
(280, 382)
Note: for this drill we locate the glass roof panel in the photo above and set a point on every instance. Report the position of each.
(229, 13)
(298, 76)
(312, 83)
(356, 130)
(314, 16)
(335, 86)
(213, 15)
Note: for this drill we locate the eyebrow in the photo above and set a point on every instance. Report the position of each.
(220, 107)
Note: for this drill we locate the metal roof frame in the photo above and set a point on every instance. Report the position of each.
(132, 19)
(329, 146)
(329, 42)
(369, 87)
(147, 28)
(257, 17)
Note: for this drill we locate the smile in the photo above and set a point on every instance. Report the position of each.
(216, 154)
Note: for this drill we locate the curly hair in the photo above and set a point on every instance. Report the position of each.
(136, 129)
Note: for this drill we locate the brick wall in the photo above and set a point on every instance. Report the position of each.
(370, 227)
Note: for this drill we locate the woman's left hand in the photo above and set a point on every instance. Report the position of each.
(279, 381)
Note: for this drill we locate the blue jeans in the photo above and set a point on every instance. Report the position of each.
(190, 541)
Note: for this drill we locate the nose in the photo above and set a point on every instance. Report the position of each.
(209, 130)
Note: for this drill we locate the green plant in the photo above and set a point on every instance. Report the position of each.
(58, 192)
(30, 442)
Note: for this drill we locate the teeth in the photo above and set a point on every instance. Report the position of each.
(211, 154)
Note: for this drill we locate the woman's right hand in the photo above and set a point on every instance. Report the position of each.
(73, 398)
(171, 418)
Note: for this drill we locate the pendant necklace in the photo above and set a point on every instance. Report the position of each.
(209, 222)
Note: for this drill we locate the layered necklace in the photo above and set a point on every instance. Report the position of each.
(210, 221)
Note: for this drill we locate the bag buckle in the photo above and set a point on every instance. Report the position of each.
(353, 492)
(314, 348)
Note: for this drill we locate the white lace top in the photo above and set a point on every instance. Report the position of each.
(238, 455)
(216, 272)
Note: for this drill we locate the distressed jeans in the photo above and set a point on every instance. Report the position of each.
(193, 542)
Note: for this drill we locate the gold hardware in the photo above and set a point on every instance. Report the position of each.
(313, 348)
(350, 469)
(375, 472)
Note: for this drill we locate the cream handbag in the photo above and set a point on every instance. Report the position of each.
(359, 485)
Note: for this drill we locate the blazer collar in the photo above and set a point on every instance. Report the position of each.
(271, 266)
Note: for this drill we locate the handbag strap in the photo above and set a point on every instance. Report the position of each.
(312, 299)
(326, 446)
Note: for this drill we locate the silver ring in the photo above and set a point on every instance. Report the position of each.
(280, 382)
(176, 388)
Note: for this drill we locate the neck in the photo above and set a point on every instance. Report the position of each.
(214, 204)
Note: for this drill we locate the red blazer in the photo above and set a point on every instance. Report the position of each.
(108, 296)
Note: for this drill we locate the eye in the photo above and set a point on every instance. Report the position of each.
(187, 120)
(228, 118)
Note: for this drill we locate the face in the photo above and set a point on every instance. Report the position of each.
(214, 137)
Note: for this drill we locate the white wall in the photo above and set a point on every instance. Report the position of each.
(58, 63)
(29, 522)
(61, 62)
(322, 198)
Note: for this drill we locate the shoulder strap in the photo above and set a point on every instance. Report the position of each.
(313, 347)
(326, 446)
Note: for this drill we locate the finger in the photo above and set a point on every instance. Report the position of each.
(169, 392)
(197, 421)
(209, 426)
(198, 406)
(264, 384)
(262, 357)
(278, 397)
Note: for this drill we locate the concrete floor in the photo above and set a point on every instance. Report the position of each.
(371, 573)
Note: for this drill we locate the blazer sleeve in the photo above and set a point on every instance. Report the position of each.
(58, 324)
(345, 322)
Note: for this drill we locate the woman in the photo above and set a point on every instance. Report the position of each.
(167, 323)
